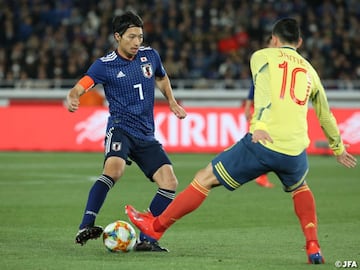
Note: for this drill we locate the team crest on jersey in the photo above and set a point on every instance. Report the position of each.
(116, 146)
(147, 70)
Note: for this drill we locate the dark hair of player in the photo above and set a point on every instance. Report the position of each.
(129, 19)
(287, 30)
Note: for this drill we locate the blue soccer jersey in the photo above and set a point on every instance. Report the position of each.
(129, 87)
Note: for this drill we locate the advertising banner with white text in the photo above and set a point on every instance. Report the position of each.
(204, 130)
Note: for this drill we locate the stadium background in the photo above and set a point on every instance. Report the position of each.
(42, 193)
(45, 46)
(196, 39)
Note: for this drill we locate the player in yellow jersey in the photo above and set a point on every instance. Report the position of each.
(284, 83)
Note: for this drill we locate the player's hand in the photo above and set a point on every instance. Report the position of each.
(178, 110)
(260, 135)
(72, 102)
(346, 159)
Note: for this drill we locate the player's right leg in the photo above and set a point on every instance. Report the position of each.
(304, 205)
(292, 171)
(292, 174)
(96, 198)
(114, 166)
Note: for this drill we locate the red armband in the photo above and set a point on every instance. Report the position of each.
(86, 82)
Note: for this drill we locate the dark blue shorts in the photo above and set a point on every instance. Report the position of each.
(148, 155)
(245, 161)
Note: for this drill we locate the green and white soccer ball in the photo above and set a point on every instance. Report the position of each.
(119, 236)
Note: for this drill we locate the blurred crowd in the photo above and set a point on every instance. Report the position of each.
(196, 39)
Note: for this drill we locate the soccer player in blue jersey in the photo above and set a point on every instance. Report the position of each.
(284, 84)
(129, 75)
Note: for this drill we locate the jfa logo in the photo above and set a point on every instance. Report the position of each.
(346, 264)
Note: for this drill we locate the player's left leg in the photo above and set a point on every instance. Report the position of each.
(156, 165)
(164, 195)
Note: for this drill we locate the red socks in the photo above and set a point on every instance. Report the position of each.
(187, 201)
(194, 195)
(304, 205)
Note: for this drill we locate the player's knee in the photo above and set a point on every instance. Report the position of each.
(170, 184)
(207, 178)
(115, 175)
(114, 167)
(165, 177)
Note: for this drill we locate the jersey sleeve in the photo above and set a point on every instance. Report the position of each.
(261, 80)
(97, 72)
(327, 120)
(159, 70)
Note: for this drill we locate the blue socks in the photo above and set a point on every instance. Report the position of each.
(161, 200)
(96, 199)
(97, 196)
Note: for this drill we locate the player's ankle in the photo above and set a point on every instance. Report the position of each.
(158, 227)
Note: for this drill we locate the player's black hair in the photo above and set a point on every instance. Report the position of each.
(129, 19)
(287, 29)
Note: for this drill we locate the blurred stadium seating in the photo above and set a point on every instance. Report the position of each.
(205, 44)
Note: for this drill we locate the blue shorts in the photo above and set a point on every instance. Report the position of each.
(245, 161)
(148, 155)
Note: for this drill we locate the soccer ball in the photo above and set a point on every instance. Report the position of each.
(119, 236)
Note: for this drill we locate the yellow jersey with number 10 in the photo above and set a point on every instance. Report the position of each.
(284, 83)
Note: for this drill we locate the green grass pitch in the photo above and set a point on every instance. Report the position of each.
(43, 195)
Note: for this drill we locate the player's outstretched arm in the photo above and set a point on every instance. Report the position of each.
(346, 159)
